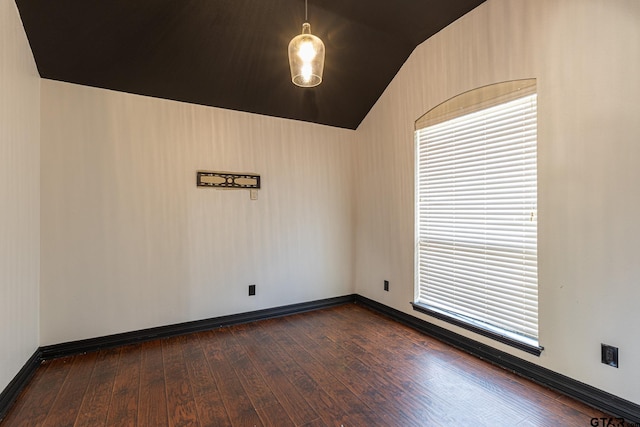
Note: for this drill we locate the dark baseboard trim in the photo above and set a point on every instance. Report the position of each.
(18, 383)
(585, 393)
(117, 340)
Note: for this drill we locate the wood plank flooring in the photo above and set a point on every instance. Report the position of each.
(343, 366)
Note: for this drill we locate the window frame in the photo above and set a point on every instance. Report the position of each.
(461, 105)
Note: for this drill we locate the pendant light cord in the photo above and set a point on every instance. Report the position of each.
(306, 19)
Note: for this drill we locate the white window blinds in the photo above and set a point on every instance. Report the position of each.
(476, 218)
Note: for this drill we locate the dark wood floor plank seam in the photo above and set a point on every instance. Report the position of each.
(152, 407)
(208, 340)
(416, 398)
(99, 391)
(379, 372)
(69, 364)
(253, 382)
(123, 408)
(68, 401)
(41, 402)
(419, 391)
(313, 393)
(236, 402)
(205, 388)
(289, 396)
(361, 386)
(350, 403)
(417, 387)
(181, 405)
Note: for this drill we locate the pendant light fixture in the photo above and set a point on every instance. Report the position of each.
(306, 56)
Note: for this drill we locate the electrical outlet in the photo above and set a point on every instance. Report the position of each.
(252, 290)
(386, 285)
(609, 355)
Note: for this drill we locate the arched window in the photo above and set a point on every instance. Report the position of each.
(476, 212)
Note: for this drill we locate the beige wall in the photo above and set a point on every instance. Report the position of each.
(586, 57)
(130, 242)
(19, 195)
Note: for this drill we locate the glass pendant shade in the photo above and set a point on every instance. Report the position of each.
(306, 58)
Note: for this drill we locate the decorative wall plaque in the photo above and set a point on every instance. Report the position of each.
(228, 180)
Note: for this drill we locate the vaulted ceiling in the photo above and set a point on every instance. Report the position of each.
(233, 53)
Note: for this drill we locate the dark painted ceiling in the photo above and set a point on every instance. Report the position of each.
(233, 53)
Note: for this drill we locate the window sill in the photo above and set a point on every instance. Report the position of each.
(531, 349)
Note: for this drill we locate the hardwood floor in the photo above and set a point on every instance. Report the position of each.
(344, 366)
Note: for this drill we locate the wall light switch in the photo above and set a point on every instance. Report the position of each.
(253, 194)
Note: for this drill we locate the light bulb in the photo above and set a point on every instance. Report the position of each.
(306, 72)
(306, 51)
